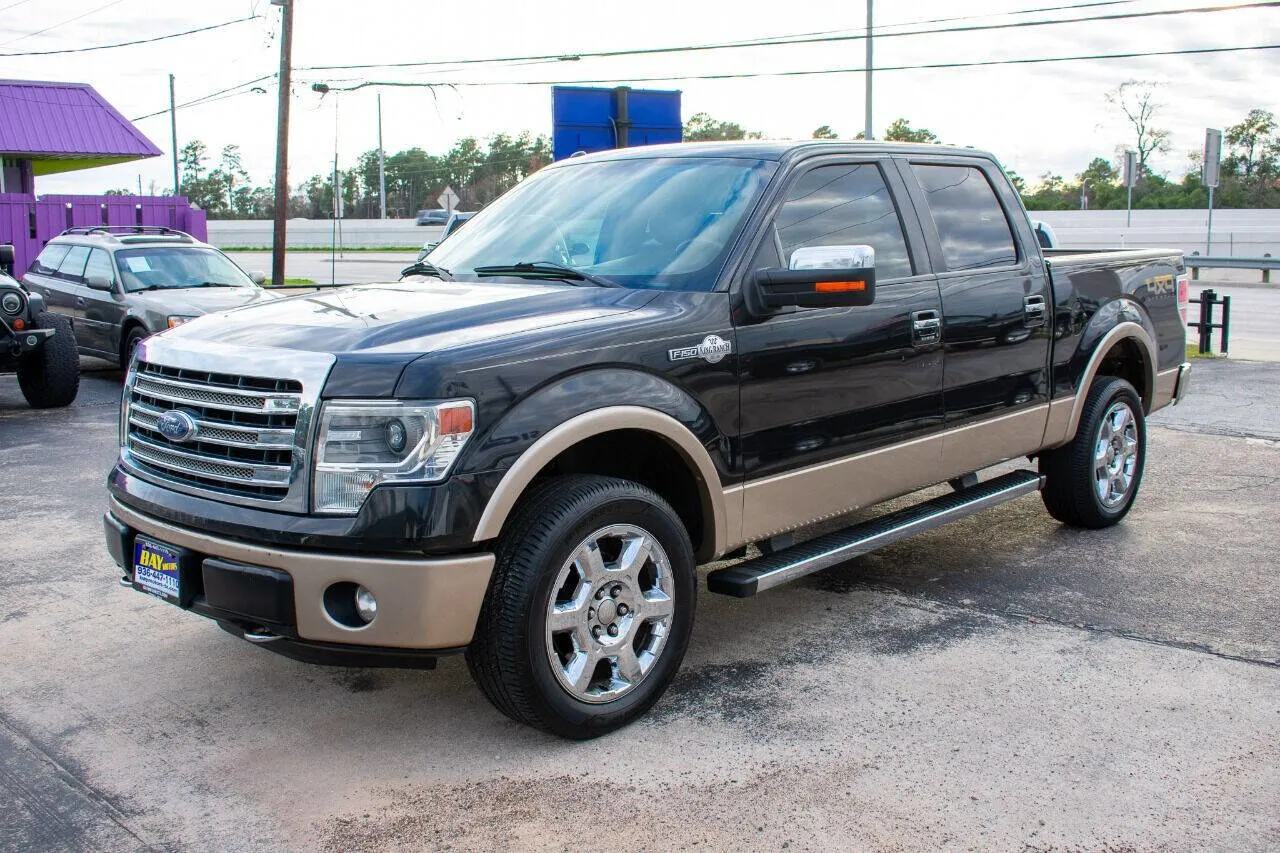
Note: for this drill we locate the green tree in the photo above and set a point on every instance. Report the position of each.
(902, 131)
(701, 127)
(1254, 147)
(825, 132)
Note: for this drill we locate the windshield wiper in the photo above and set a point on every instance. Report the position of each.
(215, 284)
(545, 269)
(424, 268)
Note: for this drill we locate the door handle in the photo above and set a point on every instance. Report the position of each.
(1034, 310)
(926, 328)
(80, 302)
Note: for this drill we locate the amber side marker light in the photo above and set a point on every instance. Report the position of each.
(839, 286)
(19, 324)
(456, 421)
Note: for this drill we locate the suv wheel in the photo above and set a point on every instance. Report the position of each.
(1093, 481)
(590, 608)
(136, 335)
(50, 376)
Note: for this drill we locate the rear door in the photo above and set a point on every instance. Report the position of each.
(995, 300)
(824, 384)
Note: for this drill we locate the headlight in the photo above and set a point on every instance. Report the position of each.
(364, 443)
(11, 302)
(178, 321)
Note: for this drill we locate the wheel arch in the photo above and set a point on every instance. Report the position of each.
(588, 431)
(1127, 350)
(130, 323)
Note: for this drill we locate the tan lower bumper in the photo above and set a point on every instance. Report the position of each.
(422, 604)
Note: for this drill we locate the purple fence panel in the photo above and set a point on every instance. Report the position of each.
(15, 228)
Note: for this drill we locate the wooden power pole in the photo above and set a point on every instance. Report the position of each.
(282, 142)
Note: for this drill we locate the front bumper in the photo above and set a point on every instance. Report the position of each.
(426, 605)
(26, 340)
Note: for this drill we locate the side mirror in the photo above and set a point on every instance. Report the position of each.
(6, 255)
(820, 277)
(100, 282)
(257, 276)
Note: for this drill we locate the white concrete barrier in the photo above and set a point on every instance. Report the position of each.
(321, 233)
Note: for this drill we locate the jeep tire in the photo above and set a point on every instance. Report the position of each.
(50, 375)
(590, 607)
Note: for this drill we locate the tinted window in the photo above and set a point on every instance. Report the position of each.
(99, 264)
(47, 261)
(841, 206)
(72, 265)
(971, 224)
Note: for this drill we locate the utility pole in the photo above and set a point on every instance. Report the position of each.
(867, 132)
(282, 142)
(173, 131)
(382, 164)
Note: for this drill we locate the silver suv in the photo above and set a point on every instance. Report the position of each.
(120, 284)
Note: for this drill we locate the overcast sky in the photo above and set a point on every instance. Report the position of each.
(1036, 118)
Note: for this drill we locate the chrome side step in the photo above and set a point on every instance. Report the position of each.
(746, 579)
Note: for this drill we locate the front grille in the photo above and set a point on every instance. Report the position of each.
(245, 430)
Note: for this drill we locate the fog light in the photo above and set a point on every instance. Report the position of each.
(366, 604)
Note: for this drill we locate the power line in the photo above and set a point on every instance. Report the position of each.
(212, 96)
(63, 23)
(13, 5)
(817, 71)
(131, 43)
(819, 39)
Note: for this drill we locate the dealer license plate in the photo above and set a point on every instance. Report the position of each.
(156, 569)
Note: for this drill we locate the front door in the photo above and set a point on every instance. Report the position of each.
(821, 385)
(104, 310)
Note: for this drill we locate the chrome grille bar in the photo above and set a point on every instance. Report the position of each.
(191, 393)
(209, 466)
(218, 432)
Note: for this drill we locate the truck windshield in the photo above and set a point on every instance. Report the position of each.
(647, 223)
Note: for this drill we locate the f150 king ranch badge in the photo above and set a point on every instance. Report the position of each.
(713, 348)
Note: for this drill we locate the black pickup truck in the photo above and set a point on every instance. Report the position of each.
(632, 364)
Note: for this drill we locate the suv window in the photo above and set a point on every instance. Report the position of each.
(971, 223)
(46, 263)
(842, 205)
(72, 265)
(99, 264)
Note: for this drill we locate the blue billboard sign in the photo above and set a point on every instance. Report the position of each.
(588, 119)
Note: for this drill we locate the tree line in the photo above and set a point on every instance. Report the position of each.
(480, 172)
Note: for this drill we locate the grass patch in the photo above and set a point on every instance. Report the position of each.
(1193, 351)
(325, 249)
(289, 281)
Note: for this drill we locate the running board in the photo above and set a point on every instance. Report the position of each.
(746, 579)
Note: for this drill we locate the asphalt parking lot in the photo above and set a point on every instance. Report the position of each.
(1001, 684)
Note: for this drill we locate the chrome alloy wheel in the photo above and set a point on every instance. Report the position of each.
(610, 613)
(1115, 456)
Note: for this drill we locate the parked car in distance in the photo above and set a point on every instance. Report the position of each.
(456, 221)
(439, 216)
(36, 344)
(119, 284)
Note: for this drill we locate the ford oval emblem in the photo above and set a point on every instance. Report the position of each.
(177, 425)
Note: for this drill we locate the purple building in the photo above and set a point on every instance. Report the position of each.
(46, 128)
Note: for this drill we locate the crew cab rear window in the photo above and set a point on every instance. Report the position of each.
(971, 223)
(844, 205)
(46, 263)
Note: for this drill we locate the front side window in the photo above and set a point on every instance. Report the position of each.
(661, 223)
(971, 223)
(99, 265)
(46, 263)
(842, 205)
(173, 267)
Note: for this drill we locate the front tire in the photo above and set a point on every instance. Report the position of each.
(590, 609)
(50, 376)
(1093, 481)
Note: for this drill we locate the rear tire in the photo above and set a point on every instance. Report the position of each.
(590, 608)
(50, 376)
(1093, 481)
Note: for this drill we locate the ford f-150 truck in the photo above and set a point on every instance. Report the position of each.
(632, 364)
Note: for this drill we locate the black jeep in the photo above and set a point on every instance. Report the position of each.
(38, 344)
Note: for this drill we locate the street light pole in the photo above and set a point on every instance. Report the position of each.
(282, 142)
(866, 128)
(173, 132)
(382, 164)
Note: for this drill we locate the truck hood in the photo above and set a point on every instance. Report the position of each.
(409, 316)
(195, 301)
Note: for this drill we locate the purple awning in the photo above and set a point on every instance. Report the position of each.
(65, 126)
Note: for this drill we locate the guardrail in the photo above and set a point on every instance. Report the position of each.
(1266, 263)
